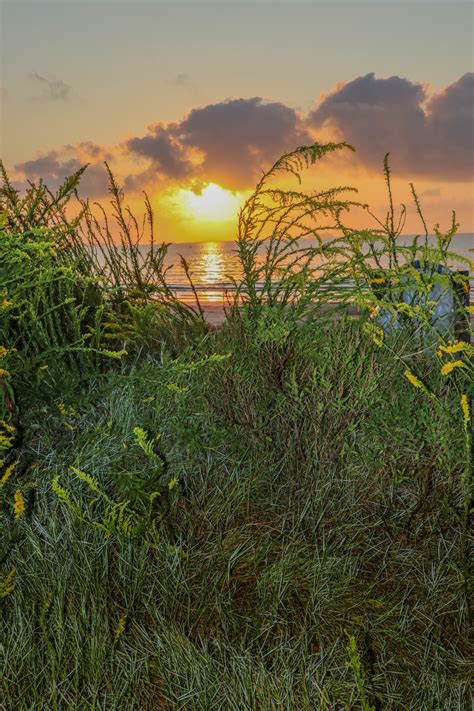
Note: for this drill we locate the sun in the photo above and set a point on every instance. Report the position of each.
(212, 204)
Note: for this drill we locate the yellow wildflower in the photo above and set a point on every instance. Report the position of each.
(6, 435)
(465, 409)
(19, 506)
(66, 411)
(375, 332)
(449, 367)
(8, 472)
(3, 352)
(378, 280)
(405, 308)
(412, 379)
(7, 585)
(373, 310)
(5, 304)
(4, 373)
(454, 347)
(120, 629)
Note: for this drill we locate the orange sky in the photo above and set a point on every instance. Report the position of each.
(176, 97)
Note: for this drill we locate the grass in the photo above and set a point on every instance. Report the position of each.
(309, 550)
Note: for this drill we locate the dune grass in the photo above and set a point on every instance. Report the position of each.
(270, 515)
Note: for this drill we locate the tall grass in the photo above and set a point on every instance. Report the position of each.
(272, 515)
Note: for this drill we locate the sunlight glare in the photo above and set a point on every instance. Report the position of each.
(213, 204)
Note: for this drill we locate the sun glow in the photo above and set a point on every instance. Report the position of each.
(212, 204)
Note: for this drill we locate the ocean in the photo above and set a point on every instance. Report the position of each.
(214, 264)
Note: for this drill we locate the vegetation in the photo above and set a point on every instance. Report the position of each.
(274, 514)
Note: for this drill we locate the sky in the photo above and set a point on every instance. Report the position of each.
(193, 100)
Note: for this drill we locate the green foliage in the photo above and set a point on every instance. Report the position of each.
(148, 501)
(312, 474)
(113, 518)
(50, 315)
(356, 665)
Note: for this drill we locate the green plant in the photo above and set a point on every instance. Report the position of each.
(355, 664)
(273, 221)
(137, 516)
(321, 488)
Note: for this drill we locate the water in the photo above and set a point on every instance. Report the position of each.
(214, 264)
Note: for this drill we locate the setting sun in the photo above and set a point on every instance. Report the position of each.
(212, 204)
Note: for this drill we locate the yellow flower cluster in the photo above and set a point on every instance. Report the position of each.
(120, 629)
(375, 332)
(405, 308)
(19, 506)
(455, 347)
(465, 409)
(448, 368)
(66, 410)
(7, 585)
(450, 348)
(6, 435)
(413, 379)
(8, 472)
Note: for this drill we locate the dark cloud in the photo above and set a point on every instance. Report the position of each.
(450, 131)
(241, 137)
(53, 171)
(167, 155)
(143, 180)
(51, 89)
(386, 115)
(236, 140)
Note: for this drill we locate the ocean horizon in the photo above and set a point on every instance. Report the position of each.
(213, 265)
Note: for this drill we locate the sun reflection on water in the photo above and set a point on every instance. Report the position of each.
(212, 271)
(212, 265)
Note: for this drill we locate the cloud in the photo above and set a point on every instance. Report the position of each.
(89, 150)
(231, 142)
(235, 140)
(240, 137)
(166, 154)
(51, 89)
(431, 192)
(53, 170)
(426, 137)
(182, 81)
